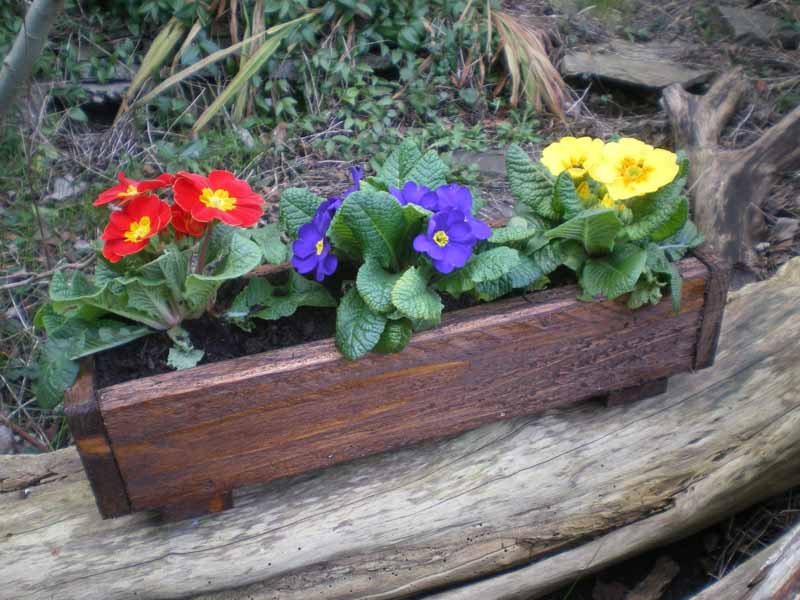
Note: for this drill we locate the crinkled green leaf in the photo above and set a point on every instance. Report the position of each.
(414, 299)
(395, 336)
(263, 300)
(675, 288)
(645, 292)
(668, 216)
(492, 264)
(596, 229)
(268, 238)
(56, 374)
(518, 229)
(565, 198)
(395, 170)
(429, 171)
(243, 256)
(455, 283)
(549, 256)
(375, 285)
(377, 222)
(358, 329)
(530, 184)
(344, 241)
(614, 275)
(181, 358)
(677, 245)
(297, 207)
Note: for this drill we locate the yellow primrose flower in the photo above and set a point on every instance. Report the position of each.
(608, 202)
(571, 154)
(631, 168)
(584, 191)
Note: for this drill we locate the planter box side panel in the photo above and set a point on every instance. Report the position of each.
(185, 435)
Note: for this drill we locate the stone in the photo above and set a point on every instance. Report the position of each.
(785, 228)
(653, 66)
(749, 26)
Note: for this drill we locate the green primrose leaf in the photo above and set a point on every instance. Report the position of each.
(297, 207)
(674, 222)
(262, 300)
(492, 264)
(455, 283)
(268, 238)
(243, 256)
(395, 170)
(343, 239)
(677, 245)
(565, 199)
(675, 289)
(395, 336)
(182, 358)
(375, 286)
(358, 329)
(377, 222)
(614, 275)
(518, 229)
(429, 171)
(57, 372)
(596, 229)
(412, 297)
(530, 184)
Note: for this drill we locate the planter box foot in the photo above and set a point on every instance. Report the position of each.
(637, 392)
(197, 507)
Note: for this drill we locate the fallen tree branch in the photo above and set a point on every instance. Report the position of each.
(730, 187)
(772, 574)
(511, 510)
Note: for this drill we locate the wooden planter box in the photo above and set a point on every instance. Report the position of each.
(181, 442)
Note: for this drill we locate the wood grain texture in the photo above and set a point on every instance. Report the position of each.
(716, 293)
(505, 511)
(89, 431)
(182, 436)
(772, 574)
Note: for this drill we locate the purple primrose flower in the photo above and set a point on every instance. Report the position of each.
(458, 197)
(311, 250)
(448, 241)
(357, 173)
(416, 194)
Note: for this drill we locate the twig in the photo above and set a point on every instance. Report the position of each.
(44, 274)
(25, 435)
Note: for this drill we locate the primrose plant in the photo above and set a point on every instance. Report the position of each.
(395, 242)
(614, 213)
(169, 244)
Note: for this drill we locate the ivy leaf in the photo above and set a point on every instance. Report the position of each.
(297, 207)
(614, 275)
(565, 198)
(530, 184)
(268, 238)
(412, 297)
(596, 229)
(492, 264)
(375, 286)
(358, 329)
(429, 171)
(395, 337)
(377, 222)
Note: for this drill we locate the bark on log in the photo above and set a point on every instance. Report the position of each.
(730, 187)
(555, 496)
(772, 574)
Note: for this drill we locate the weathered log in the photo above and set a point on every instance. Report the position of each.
(555, 496)
(730, 187)
(772, 574)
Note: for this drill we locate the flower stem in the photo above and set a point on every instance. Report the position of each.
(201, 260)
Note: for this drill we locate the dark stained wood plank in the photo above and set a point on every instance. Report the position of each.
(201, 506)
(89, 432)
(715, 298)
(182, 436)
(637, 392)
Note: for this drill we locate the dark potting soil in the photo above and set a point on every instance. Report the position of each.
(222, 340)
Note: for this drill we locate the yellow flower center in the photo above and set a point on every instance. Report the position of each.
(584, 191)
(131, 191)
(320, 246)
(138, 230)
(441, 239)
(633, 170)
(218, 199)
